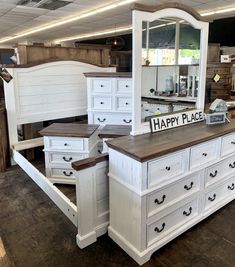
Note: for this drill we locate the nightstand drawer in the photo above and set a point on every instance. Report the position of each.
(102, 102)
(204, 153)
(161, 228)
(228, 144)
(166, 168)
(64, 158)
(163, 198)
(62, 173)
(124, 86)
(219, 193)
(124, 103)
(112, 118)
(101, 85)
(66, 143)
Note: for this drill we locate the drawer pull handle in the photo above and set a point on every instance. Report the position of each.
(100, 120)
(189, 212)
(231, 187)
(156, 229)
(232, 165)
(160, 202)
(101, 103)
(213, 175)
(67, 174)
(168, 168)
(212, 198)
(101, 85)
(65, 144)
(233, 143)
(127, 103)
(186, 187)
(127, 121)
(204, 154)
(127, 86)
(67, 160)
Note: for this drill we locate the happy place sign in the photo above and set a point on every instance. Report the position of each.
(160, 123)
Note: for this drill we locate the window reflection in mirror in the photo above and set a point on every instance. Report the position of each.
(170, 66)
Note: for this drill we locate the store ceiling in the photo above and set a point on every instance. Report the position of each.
(15, 19)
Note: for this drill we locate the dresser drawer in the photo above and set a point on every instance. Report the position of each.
(124, 86)
(102, 102)
(204, 153)
(64, 158)
(65, 143)
(219, 193)
(166, 168)
(101, 85)
(124, 103)
(228, 144)
(112, 118)
(67, 173)
(161, 199)
(171, 222)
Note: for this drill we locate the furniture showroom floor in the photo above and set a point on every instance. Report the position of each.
(36, 233)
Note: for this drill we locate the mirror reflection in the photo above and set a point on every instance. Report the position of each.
(170, 66)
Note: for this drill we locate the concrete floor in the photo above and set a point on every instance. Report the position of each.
(35, 233)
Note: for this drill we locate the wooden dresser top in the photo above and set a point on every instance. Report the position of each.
(114, 131)
(69, 130)
(109, 74)
(149, 146)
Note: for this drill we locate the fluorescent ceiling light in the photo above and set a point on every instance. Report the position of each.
(94, 34)
(220, 11)
(68, 20)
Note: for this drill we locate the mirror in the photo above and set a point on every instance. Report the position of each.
(169, 62)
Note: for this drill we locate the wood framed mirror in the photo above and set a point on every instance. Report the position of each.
(169, 61)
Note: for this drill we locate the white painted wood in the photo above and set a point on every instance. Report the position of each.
(137, 18)
(228, 145)
(136, 210)
(61, 201)
(27, 144)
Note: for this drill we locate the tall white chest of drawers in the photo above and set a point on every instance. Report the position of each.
(155, 199)
(109, 98)
(65, 143)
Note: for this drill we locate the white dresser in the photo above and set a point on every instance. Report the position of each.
(65, 143)
(163, 184)
(109, 98)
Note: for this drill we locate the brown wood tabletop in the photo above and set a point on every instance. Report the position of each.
(69, 130)
(148, 146)
(89, 162)
(109, 74)
(114, 131)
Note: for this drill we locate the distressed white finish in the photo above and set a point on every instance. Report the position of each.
(137, 18)
(109, 100)
(45, 92)
(92, 192)
(153, 202)
(61, 151)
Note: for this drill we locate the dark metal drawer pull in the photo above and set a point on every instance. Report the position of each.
(101, 85)
(231, 187)
(127, 86)
(127, 121)
(67, 160)
(168, 168)
(232, 165)
(101, 120)
(188, 187)
(67, 174)
(212, 198)
(65, 144)
(213, 175)
(156, 229)
(101, 103)
(189, 212)
(233, 143)
(127, 103)
(204, 154)
(160, 202)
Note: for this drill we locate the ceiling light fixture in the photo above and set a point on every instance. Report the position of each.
(93, 34)
(220, 11)
(68, 20)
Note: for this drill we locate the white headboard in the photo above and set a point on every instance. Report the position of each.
(48, 91)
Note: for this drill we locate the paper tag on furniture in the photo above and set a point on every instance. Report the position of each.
(160, 123)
